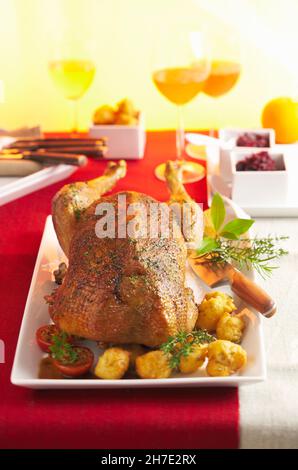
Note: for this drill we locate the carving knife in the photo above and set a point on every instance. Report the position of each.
(244, 287)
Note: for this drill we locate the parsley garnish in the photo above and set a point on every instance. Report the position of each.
(62, 349)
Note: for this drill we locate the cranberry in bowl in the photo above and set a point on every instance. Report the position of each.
(248, 138)
(259, 178)
(241, 139)
(260, 161)
(253, 139)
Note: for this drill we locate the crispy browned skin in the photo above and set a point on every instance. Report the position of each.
(173, 174)
(73, 199)
(193, 226)
(124, 290)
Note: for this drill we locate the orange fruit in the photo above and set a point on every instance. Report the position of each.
(281, 114)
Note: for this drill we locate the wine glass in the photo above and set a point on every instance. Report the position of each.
(224, 74)
(72, 72)
(180, 68)
(1, 91)
(225, 64)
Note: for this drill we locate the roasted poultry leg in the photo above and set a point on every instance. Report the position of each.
(73, 199)
(187, 211)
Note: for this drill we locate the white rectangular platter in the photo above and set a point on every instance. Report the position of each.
(12, 188)
(28, 354)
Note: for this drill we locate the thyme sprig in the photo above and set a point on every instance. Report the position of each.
(182, 345)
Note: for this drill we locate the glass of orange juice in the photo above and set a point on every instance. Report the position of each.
(72, 74)
(180, 68)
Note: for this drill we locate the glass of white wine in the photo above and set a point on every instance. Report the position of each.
(72, 75)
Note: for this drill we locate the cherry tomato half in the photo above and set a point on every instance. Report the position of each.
(44, 336)
(81, 366)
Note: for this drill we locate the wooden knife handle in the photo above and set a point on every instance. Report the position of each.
(251, 293)
(55, 158)
(95, 152)
(57, 142)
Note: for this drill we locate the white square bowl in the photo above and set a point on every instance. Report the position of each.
(228, 138)
(123, 141)
(259, 187)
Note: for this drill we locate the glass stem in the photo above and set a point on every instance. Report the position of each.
(179, 134)
(75, 117)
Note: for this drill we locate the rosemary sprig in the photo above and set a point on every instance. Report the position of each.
(182, 345)
(248, 253)
(62, 349)
(229, 243)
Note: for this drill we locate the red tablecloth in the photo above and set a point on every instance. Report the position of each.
(169, 418)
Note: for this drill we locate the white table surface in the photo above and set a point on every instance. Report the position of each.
(269, 411)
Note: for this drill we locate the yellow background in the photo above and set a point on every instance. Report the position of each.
(122, 33)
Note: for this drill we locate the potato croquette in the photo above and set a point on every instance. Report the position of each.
(153, 365)
(112, 364)
(225, 358)
(213, 306)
